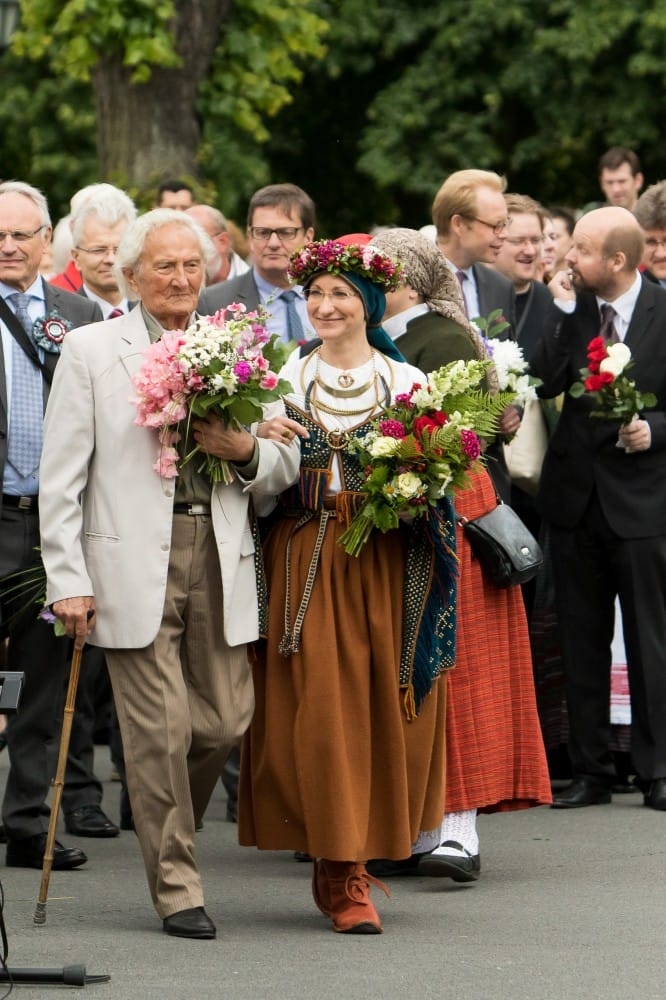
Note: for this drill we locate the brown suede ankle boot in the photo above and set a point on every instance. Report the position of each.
(347, 895)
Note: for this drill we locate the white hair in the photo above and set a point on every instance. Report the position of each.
(61, 244)
(110, 206)
(134, 238)
(33, 193)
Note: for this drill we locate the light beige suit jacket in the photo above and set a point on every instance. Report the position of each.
(105, 513)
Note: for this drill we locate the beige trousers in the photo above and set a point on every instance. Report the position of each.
(182, 703)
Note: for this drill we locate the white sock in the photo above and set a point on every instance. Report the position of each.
(460, 827)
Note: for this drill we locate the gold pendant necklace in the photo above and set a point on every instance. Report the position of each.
(345, 380)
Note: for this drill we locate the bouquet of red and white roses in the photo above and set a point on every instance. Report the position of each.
(223, 364)
(606, 380)
(422, 448)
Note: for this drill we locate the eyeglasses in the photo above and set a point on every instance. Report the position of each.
(497, 227)
(98, 251)
(263, 234)
(19, 236)
(336, 296)
(525, 241)
(651, 243)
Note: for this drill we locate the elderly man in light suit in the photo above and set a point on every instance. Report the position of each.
(161, 573)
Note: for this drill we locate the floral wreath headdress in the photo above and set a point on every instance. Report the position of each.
(333, 257)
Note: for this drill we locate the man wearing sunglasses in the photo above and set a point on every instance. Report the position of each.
(281, 218)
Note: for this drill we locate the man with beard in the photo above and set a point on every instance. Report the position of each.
(602, 492)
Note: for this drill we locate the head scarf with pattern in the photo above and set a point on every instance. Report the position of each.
(425, 268)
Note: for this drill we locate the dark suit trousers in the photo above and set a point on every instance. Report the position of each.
(33, 733)
(592, 565)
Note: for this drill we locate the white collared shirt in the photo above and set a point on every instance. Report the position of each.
(624, 306)
(396, 326)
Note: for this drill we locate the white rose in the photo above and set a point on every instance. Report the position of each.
(409, 485)
(620, 356)
(384, 447)
(613, 365)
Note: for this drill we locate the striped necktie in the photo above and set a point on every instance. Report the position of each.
(462, 278)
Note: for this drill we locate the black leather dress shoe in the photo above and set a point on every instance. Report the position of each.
(655, 798)
(193, 923)
(465, 868)
(90, 821)
(29, 853)
(582, 792)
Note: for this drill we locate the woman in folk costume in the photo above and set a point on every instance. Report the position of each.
(345, 756)
(495, 759)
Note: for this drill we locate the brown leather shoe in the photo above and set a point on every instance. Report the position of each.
(351, 908)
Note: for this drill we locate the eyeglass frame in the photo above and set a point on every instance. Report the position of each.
(100, 252)
(497, 227)
(337, 294)
(533, 241)
(652, 243)
(281, 233)
(20, 235)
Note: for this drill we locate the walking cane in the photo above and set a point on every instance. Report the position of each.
(40, 911)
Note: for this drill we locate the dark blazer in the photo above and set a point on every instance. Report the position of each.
(70, 306)
(241, 289)
(530, 326)
(431, 341)
(495, 292)
(582, 455)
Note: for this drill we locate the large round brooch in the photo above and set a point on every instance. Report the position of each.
(49, 332)
(345, 380)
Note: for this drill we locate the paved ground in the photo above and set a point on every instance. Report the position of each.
(570, 904)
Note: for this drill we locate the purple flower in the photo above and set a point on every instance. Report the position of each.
(243, 371)
(392, 428)
(470, 444)
(47, 615)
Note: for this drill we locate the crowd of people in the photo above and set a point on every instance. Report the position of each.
(226, 630)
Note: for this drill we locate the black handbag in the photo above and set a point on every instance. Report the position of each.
(507, 551)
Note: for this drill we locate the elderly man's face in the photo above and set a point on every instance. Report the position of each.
(170, 275)
(654, 255)
(23, 240)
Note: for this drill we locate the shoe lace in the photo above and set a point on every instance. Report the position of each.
(357, 885)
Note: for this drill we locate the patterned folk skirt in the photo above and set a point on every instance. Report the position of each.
(495, 755)
(330, 763)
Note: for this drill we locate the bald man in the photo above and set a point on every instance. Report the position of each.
(603, 491)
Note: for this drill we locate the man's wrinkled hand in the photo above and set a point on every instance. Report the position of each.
(77, 615)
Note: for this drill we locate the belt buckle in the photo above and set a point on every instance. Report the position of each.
(197, 508)
(25, 503)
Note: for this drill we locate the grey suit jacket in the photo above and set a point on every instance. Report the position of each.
(241, 289)
(71, 307)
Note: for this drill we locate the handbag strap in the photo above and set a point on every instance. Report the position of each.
(15, 327)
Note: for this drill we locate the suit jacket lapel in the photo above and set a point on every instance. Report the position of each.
(641, 320)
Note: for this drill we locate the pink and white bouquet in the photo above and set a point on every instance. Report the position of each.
(422, 447)
(223, 364)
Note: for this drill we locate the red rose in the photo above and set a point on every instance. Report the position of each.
(596, 382)
(596, 350)
(425, 425)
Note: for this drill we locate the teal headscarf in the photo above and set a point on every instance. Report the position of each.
(374, 302)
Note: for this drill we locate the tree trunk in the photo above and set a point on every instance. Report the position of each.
(150, 130)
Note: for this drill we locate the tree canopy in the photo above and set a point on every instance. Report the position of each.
(367, 105)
